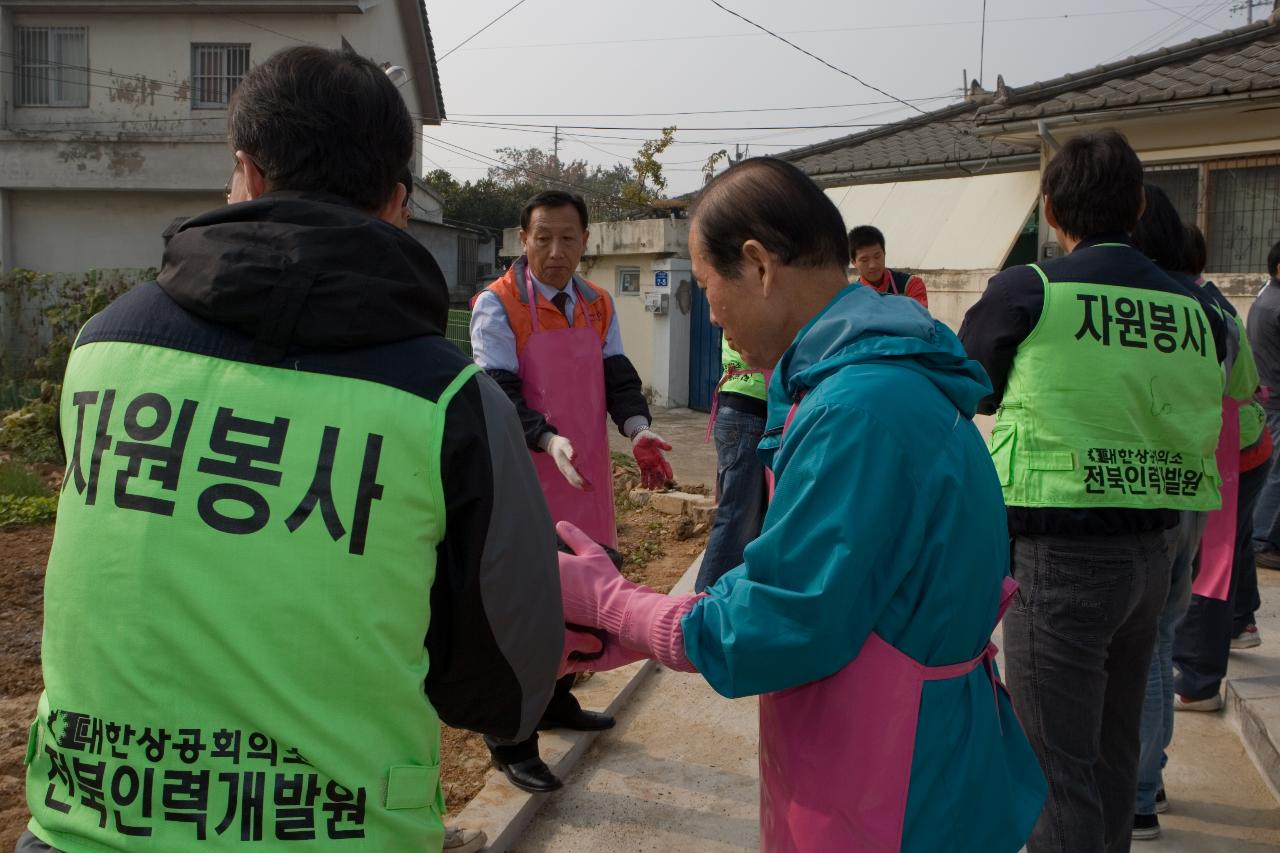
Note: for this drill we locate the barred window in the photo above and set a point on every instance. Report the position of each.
(1182, 185)
(468, 260)
(216, 70)
(52, 66)
(1244, 217)
(1235, 202)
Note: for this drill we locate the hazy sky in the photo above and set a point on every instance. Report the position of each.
(558, 58)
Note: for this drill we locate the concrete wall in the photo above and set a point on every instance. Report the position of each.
(140, 136)
(142, 63)
(75, 231)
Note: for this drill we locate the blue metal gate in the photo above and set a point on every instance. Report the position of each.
(704, 353)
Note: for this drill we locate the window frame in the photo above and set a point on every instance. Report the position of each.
(22, 40)
(619, 288)
(1205, 215)
(225, 80)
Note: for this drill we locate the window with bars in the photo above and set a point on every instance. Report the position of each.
(216, 70)
(1236, 203)
(468, 260)
(1244, 217)
(52, 66)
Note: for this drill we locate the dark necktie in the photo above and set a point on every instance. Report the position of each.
(561, 301)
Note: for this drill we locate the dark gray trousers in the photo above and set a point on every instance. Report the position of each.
(1078, 642)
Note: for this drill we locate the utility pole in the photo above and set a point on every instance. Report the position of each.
(556, 151)
(1248, 6)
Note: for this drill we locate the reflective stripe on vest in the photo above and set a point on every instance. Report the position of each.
(236, 603)
(1114, 400)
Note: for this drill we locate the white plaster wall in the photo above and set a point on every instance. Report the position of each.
(141, 78)
(74, 232)
(157, 47)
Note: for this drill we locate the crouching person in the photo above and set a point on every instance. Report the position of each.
(299, 528)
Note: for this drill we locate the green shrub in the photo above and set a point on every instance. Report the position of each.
(26, 510)
(31, 433)
(20, 481)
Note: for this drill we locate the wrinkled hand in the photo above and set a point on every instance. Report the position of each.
(578, 644)
(562, 453)
(589, 581)
(655, 470)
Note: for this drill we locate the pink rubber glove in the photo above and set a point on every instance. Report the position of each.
(615, 656)
(597, 595)
(581, 643)
(655, 470)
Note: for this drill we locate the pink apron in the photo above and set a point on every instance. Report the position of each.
(836, 754)
(562, 374)
(1218, 547)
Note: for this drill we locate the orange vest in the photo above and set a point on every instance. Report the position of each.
(595, 300)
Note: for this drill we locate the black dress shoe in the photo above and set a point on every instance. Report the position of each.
(532, 775)
(576, 719)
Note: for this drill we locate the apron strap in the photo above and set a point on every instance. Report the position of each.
(579, 309)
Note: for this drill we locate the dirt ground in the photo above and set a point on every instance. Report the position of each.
(23, 552)
(658, 550)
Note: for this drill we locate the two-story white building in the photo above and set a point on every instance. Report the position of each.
(113, 112)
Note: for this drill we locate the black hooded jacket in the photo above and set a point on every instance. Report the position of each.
(305, 282)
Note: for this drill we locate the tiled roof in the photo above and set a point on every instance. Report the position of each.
(1246, 59)
(431, 54)
(939, 138)
(1243, 60)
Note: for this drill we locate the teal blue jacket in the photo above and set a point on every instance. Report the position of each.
(888, 517)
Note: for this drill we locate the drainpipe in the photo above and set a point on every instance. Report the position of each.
(1042, 131)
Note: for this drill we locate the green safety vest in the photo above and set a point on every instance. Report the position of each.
(748, 383)
(235, 610)
(1113, 400)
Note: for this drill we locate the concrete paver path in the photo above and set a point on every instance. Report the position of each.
(679, 774)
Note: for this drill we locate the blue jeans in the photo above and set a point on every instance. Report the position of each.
(1266, 515)
(740, 483)
(1157, 708)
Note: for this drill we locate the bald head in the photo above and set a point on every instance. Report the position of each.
(776, 204)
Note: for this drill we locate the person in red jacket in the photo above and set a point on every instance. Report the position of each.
(866, 254)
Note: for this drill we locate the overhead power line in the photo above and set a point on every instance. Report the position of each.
(828, 30)
(694, 112)
(451, 50)
(795, 46)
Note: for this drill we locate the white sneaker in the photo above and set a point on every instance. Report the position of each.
(1213, 703)
(459, 840)
(1248, 638)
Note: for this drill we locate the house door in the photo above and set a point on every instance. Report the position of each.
(704, 353)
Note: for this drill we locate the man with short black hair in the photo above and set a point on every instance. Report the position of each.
(551, 340)
(1094, 474)
(1264, 337)
(297, 520)
(866, 255)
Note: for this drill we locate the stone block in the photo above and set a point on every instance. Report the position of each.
(669, 503)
